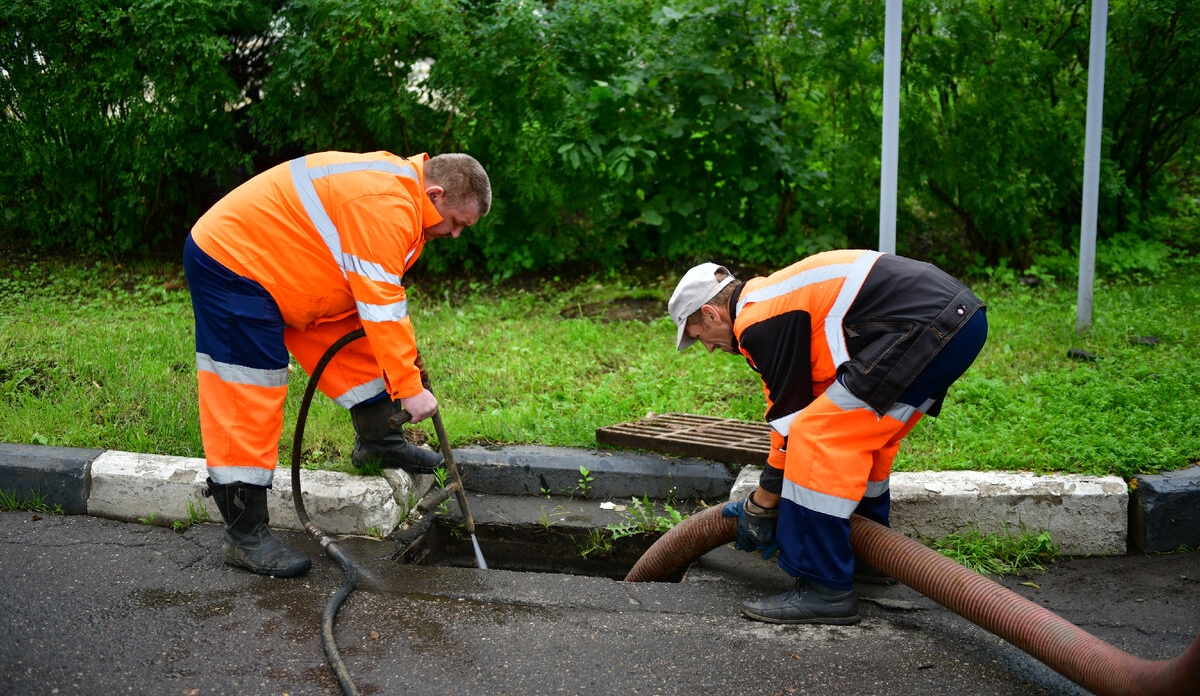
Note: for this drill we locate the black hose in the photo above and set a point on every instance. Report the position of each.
(331, 609)
(335, 603)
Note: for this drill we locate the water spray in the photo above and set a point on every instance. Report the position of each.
(459, 493)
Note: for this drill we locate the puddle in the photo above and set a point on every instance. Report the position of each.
(532, 548)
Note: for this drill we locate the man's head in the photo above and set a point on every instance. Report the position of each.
(700, 308)
(459, 189)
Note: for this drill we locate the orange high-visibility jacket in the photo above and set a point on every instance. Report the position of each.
(330, 235)
(874, 319)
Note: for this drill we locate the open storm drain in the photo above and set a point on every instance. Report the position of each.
(530, 548)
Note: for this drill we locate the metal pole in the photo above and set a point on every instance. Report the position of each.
(889, 160)
(1091, 166)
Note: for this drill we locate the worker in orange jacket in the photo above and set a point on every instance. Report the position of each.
(853, 348)
(290, 261)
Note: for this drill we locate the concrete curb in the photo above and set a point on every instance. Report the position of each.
(532, 470)
(1084, 515)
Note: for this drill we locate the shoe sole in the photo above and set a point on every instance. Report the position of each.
(827, 620)
(369, 460)
(280, 573)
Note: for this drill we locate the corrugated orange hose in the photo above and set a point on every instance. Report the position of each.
(1061, 645)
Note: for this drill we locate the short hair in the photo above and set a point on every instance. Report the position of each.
(462, 177)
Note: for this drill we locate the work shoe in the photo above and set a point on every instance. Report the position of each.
(248, 542)
(376, 440)
(806, 603)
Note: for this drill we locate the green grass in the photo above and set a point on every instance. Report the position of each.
(13, 501)
(97, 355)
(999, 554)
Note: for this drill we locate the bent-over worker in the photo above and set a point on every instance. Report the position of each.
(853, 348)
(289, 262)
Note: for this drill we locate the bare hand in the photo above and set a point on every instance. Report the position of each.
(420, 406)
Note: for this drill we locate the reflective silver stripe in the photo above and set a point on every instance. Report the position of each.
(819, 502)
(253, 475)
(877, 488)
(783, 425)
(303, 177)
(381, 313)
(834, 335)
(356, 395)
(854, 274)
(239, 374)
(316, 209)
(405, 170)
(838, 394)
(370, 270)
(843, 398)
(800, 280)
(903, 412)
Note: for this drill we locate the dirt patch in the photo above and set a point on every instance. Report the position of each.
(616, 310)
(33, 377)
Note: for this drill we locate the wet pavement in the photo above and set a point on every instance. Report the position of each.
(95, 606)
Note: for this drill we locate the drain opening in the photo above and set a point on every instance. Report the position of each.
(530, 548)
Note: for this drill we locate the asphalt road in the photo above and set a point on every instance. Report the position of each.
(93, 606)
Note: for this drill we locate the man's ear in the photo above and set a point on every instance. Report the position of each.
(435, 192)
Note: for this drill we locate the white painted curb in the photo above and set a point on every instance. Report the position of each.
(1084, 515)
(129, 486)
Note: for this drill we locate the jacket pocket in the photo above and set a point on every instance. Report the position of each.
(871, 343)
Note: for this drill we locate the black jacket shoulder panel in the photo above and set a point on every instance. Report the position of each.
(780, 347)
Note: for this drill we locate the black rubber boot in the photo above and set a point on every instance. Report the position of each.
(376, 440)
(806, 603)
(248, 541)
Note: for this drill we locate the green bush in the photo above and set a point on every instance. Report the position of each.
(115, 123)
(614, 130)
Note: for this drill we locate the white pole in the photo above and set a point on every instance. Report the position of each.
(891, 126)
(1091, 166)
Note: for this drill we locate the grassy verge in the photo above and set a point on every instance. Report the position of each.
(1010, 553)
(98, 355)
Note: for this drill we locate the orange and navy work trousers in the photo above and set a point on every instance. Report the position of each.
(242, 348)
(839, 461)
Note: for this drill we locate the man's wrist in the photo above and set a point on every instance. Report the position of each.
(755, 509)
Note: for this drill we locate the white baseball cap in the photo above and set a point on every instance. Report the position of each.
(695, 289)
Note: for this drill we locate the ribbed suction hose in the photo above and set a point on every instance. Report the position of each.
(1062, 646)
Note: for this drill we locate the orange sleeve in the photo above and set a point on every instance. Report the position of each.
(384, 233)
(776, 456)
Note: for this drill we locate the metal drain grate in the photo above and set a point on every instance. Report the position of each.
(719, 439)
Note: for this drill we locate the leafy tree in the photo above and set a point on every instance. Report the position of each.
(993, 122)
(113, 115)
(746, 131)
(1151, 107)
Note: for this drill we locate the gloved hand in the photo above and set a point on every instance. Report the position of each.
(756, 526)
